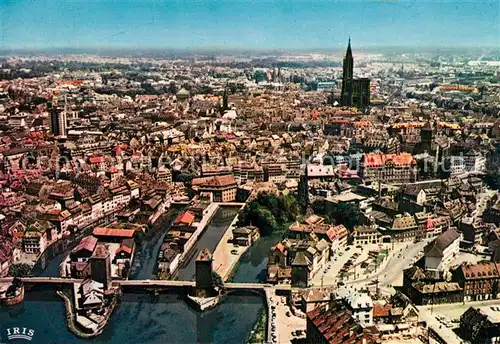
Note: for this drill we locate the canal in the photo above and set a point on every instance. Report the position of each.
(209, 239)
(146, 251)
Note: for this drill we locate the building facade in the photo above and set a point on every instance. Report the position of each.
(479, 281)
(441, 252)
(388, 168)
(223, 188)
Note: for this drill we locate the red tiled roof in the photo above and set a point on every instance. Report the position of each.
(215, 181)
(116, 232)
(481, 270)
(430, 223)
(125, 249)
(280, 247)
(374, 160)
(361, 124)
(96, 159)
(186, 217)
(337, 325)
(88, 243)
(340, 121)
(337, 232)
(381, 310)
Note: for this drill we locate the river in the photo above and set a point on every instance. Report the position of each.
(252, 266)
(142, 318)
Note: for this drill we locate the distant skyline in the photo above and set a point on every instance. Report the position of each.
(238, 24)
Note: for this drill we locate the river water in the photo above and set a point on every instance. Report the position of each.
(142, 318)
(252, 266)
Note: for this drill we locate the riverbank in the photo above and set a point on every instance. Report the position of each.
(258, 334)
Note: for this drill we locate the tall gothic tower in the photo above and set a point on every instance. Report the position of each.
(347, 77)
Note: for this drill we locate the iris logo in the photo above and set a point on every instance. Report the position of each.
(20, 333)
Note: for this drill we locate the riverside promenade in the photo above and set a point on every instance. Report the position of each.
(224, 260)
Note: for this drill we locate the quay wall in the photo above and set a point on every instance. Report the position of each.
(268, 303)
(196, 234)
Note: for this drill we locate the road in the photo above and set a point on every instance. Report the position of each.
(392, 271)
(444, 332)
(286, 325)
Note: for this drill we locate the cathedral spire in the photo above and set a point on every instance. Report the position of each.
(348, 53)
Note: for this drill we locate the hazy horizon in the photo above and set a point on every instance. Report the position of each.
(259, 25)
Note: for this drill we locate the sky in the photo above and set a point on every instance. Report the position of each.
(248, 24)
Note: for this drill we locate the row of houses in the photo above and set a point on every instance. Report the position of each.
(309, 247)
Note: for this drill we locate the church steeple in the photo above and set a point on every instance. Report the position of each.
(347, 77)
(355, 92)
(348, 53)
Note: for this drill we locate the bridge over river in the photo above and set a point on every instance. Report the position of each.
(148, 283)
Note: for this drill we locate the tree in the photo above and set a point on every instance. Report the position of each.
(303, 193)
(205, 89)
(265, 220)
(225, 104)
(172, 88)
(319, 206)
(328, 159)
(259, 76)
(346, 214)
(269, 212)
(185, 176)
(492, 179)
(290, 207)
(19, 270)
(330, 99)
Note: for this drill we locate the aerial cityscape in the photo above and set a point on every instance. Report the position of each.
(250, 172)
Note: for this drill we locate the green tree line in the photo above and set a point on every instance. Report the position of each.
(269, 212)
